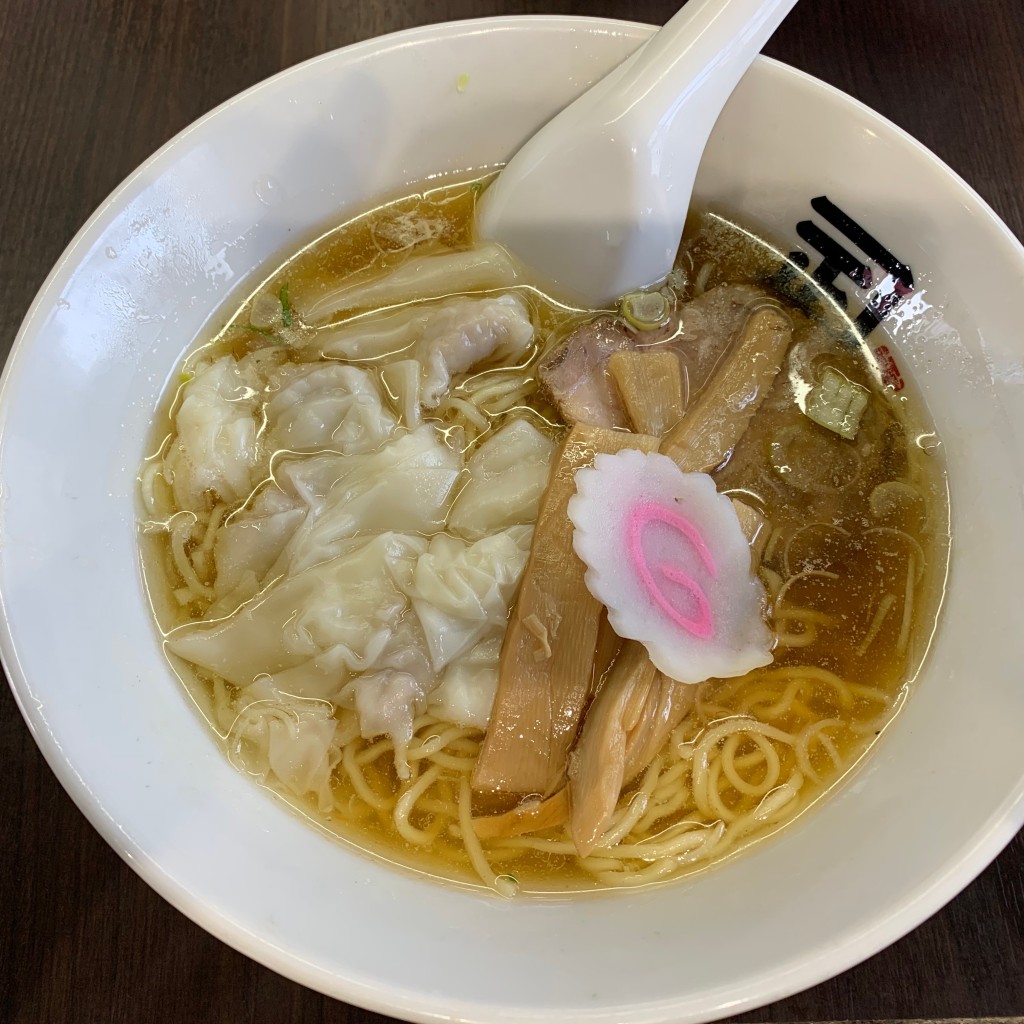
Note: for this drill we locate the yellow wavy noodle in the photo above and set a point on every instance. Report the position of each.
(751, 755)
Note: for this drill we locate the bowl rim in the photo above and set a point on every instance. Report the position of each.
(847, 950)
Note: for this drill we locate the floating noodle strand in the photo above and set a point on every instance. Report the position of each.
(434, 744)
(773, 542)
(359, 783)
(803, 638)
(807, 574)
(634, 811)
(714, 805)
(663, 808)
(816, 733)
(505, 885)
(862, 692)
(203, 553)
(370, 754)
(407, 803)
(804, 615)
(884, 607)
(180, 530)
(828, 527)
(499, 389)
(770, 757)
(458, 764)
(908, 609)
(653, 873)
(467, 409)
(683, 838)
(773, 583)
(812, 673)
(700, 282)
(913, 544)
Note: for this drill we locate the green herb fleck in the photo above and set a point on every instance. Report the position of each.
(477, 187)
(286, 305)
(265, 331)
(185, 377)
(461, 82)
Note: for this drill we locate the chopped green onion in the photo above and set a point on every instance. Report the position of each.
(286, 305)
(507, 885)
(461, 82)
(837, 404)
(645, 310)
(185, 376)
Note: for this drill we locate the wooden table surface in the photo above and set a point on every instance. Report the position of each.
(88, 89)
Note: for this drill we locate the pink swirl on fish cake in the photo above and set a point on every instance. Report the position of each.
(703, 624)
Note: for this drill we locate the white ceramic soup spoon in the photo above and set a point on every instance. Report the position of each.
(597, 199)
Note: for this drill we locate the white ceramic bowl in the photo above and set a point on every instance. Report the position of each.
(933, 804)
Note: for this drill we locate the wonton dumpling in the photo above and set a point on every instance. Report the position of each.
(372, 337)
(231, 600)
(387, 703)
(461, 591)
(322, 677)
(466, 692)
(293, 739)
(508, 474)
(464, 332)
(215, 447)
(326, 676)
(253, 539)
(300, 752)
(404, 487)
(328, 406)
(485, 266)
(387, 697)
(355, 601)
(407, 652)
(308, 480)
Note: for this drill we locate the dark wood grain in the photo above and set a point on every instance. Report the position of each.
(88, 89)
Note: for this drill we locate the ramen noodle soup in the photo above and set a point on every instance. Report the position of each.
(535, 597)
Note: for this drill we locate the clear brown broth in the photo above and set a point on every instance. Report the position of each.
(814, 487)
